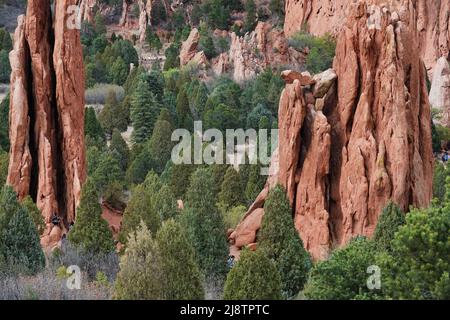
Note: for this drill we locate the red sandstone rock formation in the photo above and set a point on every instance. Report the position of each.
(249, 55)
(47, 156)
(431, 20)
(355, 139)
(189, 47)
(87, 10)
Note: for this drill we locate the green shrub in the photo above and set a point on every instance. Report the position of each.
(280, 241)
(140, 276)
(344, 275)
(389, 222)
(254, 277)
(321, 50)
(91, 232)
(234, 216)
(182, 278)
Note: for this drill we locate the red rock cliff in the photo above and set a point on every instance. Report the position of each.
(47, 156)
(353, 138)
(431, 20)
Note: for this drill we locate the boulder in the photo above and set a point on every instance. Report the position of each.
(440, 90)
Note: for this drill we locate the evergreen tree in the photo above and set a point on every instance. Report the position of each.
(250, 19)
(344, 275)
(4, 164)
(232, 193)
(35, 214)
(119, 71)
(91, 232)
(183, 111)
(140, 276)
(390, 221)
(207, 45)
(206, 224)
(280, 241)
(22, 244)
(4, 123)
(114, 115)
(19, 239)
(144, 112)
(419, 263)
(255, 184)
(160, 144)
(182, 278)
(179, 177)
(172, 56)
(107, 172)
(119, 149)
(254, 277)
(5, 67)
(151, 203)
(92, 126)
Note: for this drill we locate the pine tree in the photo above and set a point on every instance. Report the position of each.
(232, 193)
(183, 111)
(280, 241)
(255, 183)
(92, 126)
(22, 244)
(254, 277)
(250, 19)
(114, 115)
(144, 112)
(19, 239)
(119, 71)
(206, 226)
(91, 232)
(151, 203)
(140, 276)
(344, 275)
(182, 278)
(35, 214)
(119, 149)
(160, 145)
(390, 221)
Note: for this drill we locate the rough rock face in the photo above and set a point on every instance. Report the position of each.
(356, 138)
(322, 16)
(440, 90)
(256, 51)
(47, 156)
(189, 47)
(87, 10)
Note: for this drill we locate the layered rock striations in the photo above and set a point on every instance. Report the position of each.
(431, 20)
(353, 138)
(47, 156)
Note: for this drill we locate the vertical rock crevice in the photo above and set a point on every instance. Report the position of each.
(47, 158)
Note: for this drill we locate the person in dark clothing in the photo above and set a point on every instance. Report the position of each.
(56, 220)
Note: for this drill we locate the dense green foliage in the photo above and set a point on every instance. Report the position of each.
(91, 232)
(254, 277)
(151, 202)
(280, 241)
(140, 276)
(418, 267)
(391, 219)
(204, 224)
(182, 278)
(321, 50)
(20, 247)
(344, 275)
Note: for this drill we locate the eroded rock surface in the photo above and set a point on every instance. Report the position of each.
(357, 138)
(431, 19)
(47, 156)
